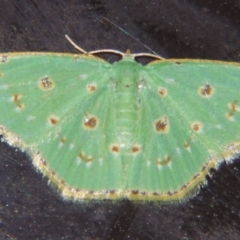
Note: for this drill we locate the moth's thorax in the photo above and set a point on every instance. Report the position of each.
(127, 71)
(126, 100)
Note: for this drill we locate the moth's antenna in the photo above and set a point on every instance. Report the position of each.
(93, 52)
(154, 53)
(112, 51)
(75, 45)
(148, 55)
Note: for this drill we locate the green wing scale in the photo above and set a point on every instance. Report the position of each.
(109, 131)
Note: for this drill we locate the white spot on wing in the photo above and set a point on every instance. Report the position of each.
(141, 85)
(231, 118)
(78, 161)
(159, 167)
(188, 149)
(148, 163)
(100, 160)
(30, 118)
(88, 164)
(18, 109)
(4, 86)
(170, 80)
(178, 150)
(170, 165)
(83, 76)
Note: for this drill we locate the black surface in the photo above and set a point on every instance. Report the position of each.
(29, 208)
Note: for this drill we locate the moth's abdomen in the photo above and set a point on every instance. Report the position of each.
(126, 113)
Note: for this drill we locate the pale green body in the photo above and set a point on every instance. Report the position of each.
(126, 104)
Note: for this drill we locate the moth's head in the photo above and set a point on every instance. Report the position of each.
(127, 70)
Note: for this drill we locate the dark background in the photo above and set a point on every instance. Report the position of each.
(206, 29)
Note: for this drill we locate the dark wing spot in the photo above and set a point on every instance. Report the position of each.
(195, 176)
(89, 159)
(204, 168)
(81, 156)
(91, 88)
(61, 138)
(135, 149)
(162, 125)
(63, 183)
(46, 83)
(115, 149)
(90, 192)
(196, 127)
(159, 163)
(16, 97)
(233, 108)
(165, 161)
(90, 122)
(52, 172)
(53, 120)
(162, 92)
(183, 187)
(206, 90)
(17, 101)
(170, 193)
(135, 192)
(44, 163)
(187, 145)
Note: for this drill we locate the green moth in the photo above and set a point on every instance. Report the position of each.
(108, 131)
